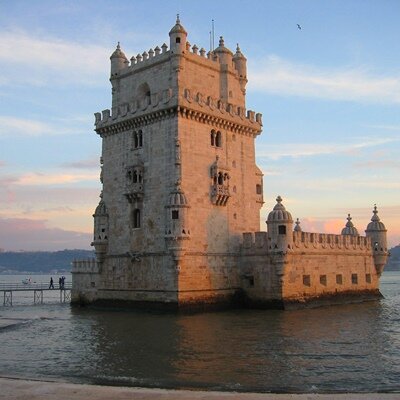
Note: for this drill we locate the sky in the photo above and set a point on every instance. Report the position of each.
(329, 94)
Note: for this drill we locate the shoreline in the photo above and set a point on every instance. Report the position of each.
(15, 388)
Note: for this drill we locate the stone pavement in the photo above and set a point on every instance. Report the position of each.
(22, 389)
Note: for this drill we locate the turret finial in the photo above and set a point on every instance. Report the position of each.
(118, 46)
(237, 48)
(279, 199)
(221, 41)
(178, 21)
(297, 228)
(375, 217)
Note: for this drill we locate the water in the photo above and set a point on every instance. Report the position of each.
(345, 348)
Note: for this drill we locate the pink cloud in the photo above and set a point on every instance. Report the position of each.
(27, 234)
(91, 163)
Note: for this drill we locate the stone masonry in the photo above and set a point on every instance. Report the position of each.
(182, 194)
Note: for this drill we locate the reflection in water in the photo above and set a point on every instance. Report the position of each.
(342, 348)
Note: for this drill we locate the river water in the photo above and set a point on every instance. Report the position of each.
(348, 348)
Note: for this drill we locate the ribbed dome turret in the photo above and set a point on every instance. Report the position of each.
(177, 28)
(238, 55)
(177, 197)
(101, 209)
(279, 213)
(349, 229)
(118, 53)
(221, 48)
(375, 224)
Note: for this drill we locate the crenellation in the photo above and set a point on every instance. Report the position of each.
(178, 217)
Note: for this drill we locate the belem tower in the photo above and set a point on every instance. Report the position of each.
(178, 221)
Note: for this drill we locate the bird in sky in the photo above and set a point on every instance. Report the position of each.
(298, 26)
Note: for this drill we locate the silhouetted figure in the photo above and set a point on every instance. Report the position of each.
(60, 282)
(51, 286)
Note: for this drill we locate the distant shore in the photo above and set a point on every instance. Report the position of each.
(18, 388)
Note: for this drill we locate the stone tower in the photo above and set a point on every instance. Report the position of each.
(180, 183)
(376, 230)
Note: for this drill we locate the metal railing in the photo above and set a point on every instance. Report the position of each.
(4, 286)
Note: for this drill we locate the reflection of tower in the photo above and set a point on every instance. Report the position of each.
(377, 232)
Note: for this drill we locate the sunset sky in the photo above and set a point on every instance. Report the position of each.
(329, 94)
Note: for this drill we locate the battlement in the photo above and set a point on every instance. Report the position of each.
(307, 241)
(207, 102)
(137, 107)
(85, 266)
(153, 56)
(164, 98)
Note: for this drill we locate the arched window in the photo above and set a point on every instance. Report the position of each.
(135, 140)
(178, 40)
(218, 139)
(212, 137)
(140, 139)
(136, 218)
(220, 178)
(143, 93)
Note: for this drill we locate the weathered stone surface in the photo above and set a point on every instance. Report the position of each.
(181, 189)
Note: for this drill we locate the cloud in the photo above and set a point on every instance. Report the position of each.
(2, 163)
(44, 60)
(295, 150)
(282, 77)
(378, 164)
(90, 163)
(17, 126)
(40, 179)
(12, 126)
(28, 234)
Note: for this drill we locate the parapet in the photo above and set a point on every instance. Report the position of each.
(307, 241)
(137, 107)
(195, 103)
(85, 266)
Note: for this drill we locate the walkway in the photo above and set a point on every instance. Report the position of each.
(21, 389)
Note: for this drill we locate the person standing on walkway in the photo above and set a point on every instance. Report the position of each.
(51, 283)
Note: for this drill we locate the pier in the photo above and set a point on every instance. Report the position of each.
(37, 289)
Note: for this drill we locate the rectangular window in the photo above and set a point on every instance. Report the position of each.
(175, 214)
(322, 280)
(282, 229)
(339, 279)
(306, 280)
(354, 279)
(258, 189)
(368, 278)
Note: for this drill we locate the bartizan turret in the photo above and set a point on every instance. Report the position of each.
(349, 229)
(240, 62)
(376, 230)
(177, 38)
(118, 61)
(177, 222)
(280, 227)
(100, 237)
